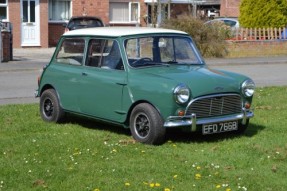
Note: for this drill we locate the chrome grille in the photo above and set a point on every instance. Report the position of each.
(218, 105)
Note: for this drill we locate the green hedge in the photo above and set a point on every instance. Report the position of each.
(263, 13)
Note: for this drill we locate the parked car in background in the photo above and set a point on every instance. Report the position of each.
(231, 22)
(145, 79)
(83, 22)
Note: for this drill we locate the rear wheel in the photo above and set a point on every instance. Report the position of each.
(50, 108)
(146, 124)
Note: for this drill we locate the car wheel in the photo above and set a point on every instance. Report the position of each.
(50, 108)
(146, 125)
(242, 128)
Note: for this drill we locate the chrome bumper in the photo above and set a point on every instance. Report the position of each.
(36, 93)
(191, 120)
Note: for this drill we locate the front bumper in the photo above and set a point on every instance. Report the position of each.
(192, 121)
(36, 93)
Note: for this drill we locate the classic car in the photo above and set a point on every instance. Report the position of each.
(145, 79)
(79, 22)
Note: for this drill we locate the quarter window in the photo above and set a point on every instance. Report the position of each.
(3, 10)
(121, 12)
(71, 52)
(59, 10)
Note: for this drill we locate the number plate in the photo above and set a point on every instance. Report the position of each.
(219, 127)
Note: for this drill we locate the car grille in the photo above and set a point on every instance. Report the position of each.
(218, 105)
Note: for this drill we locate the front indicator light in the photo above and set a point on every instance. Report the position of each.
(247, 105)
(180, 113)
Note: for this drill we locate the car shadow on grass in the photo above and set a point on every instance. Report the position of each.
(190, 137)
(174, 135)
(90, 123)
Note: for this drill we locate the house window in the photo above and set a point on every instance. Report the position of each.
(3, 10)
(59, 10)
(121, 12)
(28, 11)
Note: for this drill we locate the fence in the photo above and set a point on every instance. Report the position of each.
(246, 34)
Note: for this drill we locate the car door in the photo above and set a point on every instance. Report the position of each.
(103, 81)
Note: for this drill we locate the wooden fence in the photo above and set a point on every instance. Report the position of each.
(245, 34)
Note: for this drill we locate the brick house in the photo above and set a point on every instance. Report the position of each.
(39, 23)
(229, 8)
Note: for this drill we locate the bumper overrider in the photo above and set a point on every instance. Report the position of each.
(192, 121)
(36, 93)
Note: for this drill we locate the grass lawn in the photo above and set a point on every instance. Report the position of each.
(86, 155)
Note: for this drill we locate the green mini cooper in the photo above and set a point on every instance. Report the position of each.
(145, 79)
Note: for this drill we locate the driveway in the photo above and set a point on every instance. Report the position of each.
(18, 78)
(271, 74)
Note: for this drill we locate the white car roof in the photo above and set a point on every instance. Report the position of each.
(120, 31)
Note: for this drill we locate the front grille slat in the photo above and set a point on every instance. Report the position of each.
(217, 105)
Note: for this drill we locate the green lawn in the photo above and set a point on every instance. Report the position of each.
(83, 154)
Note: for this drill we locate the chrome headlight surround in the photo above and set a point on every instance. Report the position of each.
(181, 93)
(248, 88)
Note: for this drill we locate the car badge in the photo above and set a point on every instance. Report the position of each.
(219, 88)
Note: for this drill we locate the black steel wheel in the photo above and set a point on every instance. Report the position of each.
(50, 108)
(146, 124)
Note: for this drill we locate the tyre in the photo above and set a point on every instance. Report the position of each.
(242, 128)
(50, 108)
(146, 125)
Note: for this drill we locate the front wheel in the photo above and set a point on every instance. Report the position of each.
(242, 128)
(146, 124)
(50, 108)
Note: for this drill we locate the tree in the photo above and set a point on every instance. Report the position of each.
(263, 13)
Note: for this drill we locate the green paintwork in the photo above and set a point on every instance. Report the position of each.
(156, 85)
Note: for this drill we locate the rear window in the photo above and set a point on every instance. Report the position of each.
(84, 23)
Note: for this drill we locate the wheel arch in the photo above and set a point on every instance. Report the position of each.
(49, 86)
(127, 121)
(45, 87)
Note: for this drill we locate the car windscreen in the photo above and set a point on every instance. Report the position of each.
(161, 50)
(84, 23)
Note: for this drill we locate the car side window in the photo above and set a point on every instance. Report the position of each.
(104, 54)
(94, 53)
(177, 49)
(71, 51)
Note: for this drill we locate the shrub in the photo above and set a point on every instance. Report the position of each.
(210, 39)
(263, 13)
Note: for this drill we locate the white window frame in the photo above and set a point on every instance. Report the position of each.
(5, 5)
(63, 20)
(130, 14)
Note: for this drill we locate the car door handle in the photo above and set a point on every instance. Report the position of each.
(121, 84)
(84, 74)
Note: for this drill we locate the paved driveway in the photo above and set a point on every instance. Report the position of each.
(274, 74)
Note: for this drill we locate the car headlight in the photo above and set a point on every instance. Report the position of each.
(248, 88)
(181, 94)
